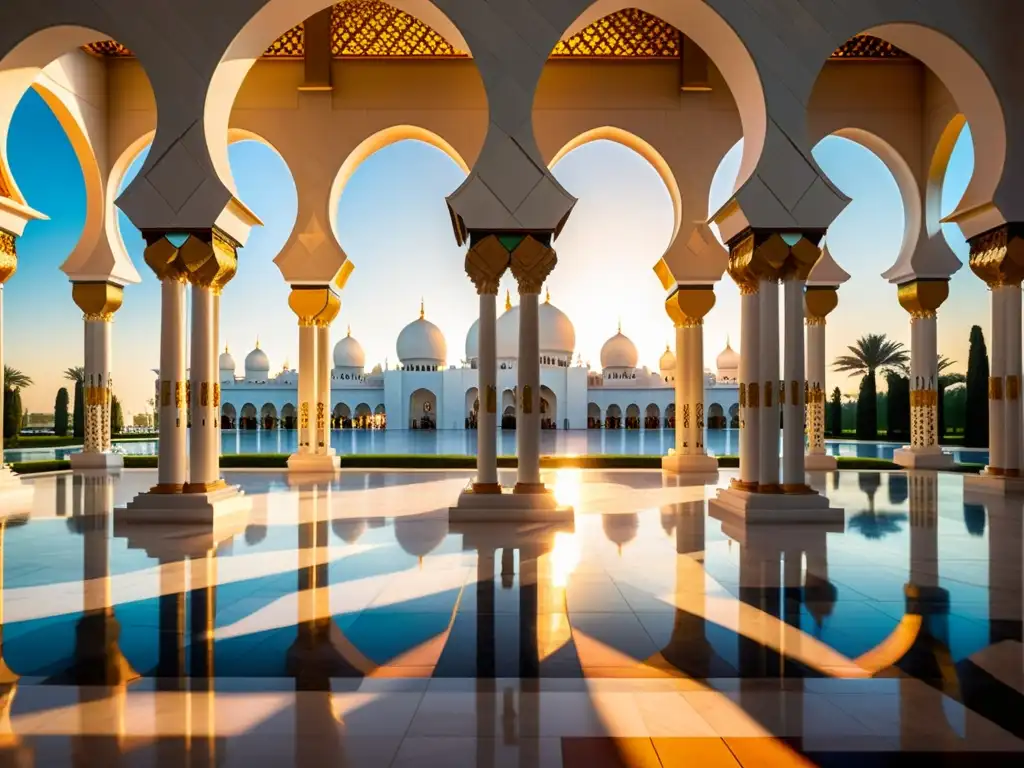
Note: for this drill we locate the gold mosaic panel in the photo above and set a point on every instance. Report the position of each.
(290, 45)
(629, 33)
(375, 29)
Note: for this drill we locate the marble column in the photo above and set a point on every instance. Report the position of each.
(528, 393)
(793, 380)
(487, 389)
(323, 389)
(687, 306)
(750, 388)
(768, 337)
(204, 453)
(307, 386)
(997, 257)
(8, 266)
(922, 298)
(316, 308)
(172, 471)
(819, 301)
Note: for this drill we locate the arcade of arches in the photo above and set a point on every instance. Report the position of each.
(366, 74)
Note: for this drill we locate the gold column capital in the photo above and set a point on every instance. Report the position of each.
(98, 301)
(314, 305)
(819, 301)
(531, 263)
(688, 305)
(8, 254)
(997, 256)
(922, 298)
(486, 262)
(757, 255)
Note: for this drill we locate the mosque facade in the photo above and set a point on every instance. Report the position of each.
(423, 392)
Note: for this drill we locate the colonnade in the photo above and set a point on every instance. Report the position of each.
(316, 308)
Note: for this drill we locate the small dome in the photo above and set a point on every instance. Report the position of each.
(348, 353)
(667, 363)
(257, 360)
(473, 341)
(557, 334)
(619, 352)
(728, 362)
(227, 362)
(421, 342)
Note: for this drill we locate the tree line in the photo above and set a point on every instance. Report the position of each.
(65, 422)
(962, 399)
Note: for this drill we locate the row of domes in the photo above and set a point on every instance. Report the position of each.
(421, 343)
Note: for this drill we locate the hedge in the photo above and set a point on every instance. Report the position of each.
(412, 461)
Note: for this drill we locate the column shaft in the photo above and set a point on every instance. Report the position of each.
(768, 333)
(323, 390)
(750, 386)
(794, 382)
(693, 353)
(924, 374)
(172, 470)
(307, 387)
(528, 407)
(1011, 392)
(997, 372)
(682, 387)
(204, 469)
(487, 389)
(216, 363)
(3, 385)
(816, 386)
(96, 386)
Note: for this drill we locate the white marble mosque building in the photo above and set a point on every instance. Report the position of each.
(425, 392)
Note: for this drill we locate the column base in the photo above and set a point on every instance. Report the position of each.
(931, 457)
(819, 462)
(15, 495)
(314, 462)
(509, 507)
(204, 509)
(995, 485)
(680, 464)
(107, 461)
(775, 508)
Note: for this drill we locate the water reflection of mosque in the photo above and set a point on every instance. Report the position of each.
(533, 568)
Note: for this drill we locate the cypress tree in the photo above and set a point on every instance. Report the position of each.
(116, 416)
(867, 409)
(898, 407)
(61, 417)
(976, 416)
(940, 428)
(79, 415)
(835, 418)
(12, 414)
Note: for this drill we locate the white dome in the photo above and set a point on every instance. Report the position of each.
(667, 363)
(257, 361)
(227, 362)
(619, 352)
(348, 353)
(421, 343)
(728, 362)
(557, 334)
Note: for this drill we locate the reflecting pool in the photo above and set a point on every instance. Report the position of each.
(720, 442)
(344, 621)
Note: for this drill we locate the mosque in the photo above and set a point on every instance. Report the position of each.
(423, 392)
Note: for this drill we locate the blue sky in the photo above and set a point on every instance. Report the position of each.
(394, 226)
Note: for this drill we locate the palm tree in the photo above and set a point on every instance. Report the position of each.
(15, 379)
(871, 354)
(76, 374)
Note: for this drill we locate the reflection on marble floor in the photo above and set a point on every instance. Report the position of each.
(343, 621)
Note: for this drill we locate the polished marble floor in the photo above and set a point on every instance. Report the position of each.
(345, 622)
